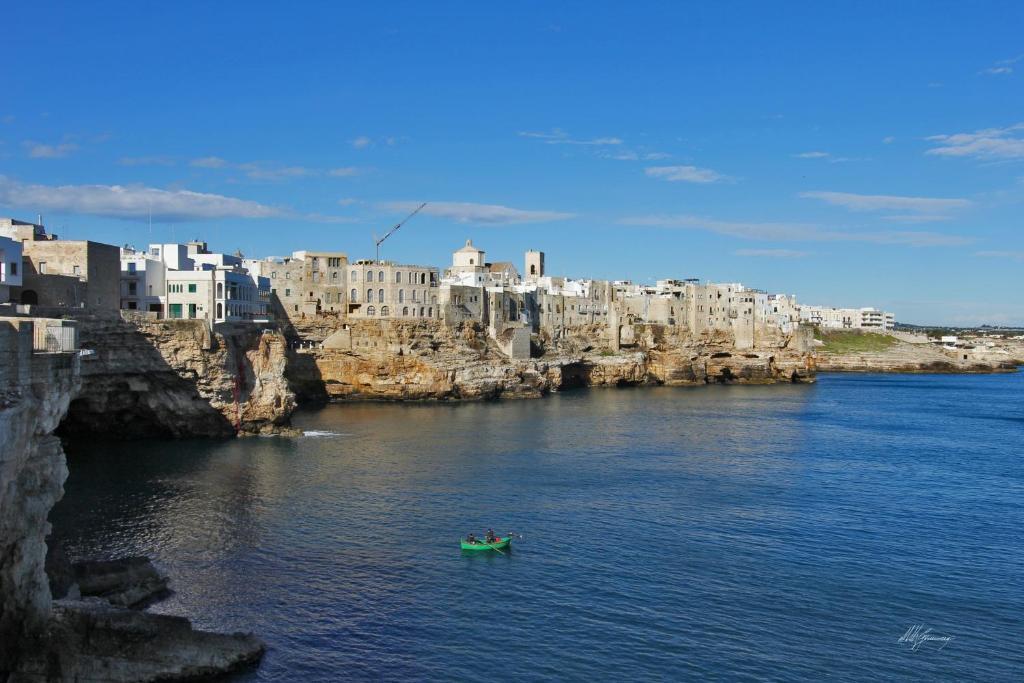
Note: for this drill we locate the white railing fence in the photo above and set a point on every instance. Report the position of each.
(53, 339)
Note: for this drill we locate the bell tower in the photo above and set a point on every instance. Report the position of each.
(534, 263)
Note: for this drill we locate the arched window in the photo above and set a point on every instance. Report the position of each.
(380, 296)
(421, 311)
(398, 277)
(220, 291)
(220, 310)
(470, 261)
(414, 311)
(380, 276)
(423, 278)
(412, 278)
(355, 276)
(401, 296)
(433, 300)
(383, 311)
(430, 312)
(370, 310)
(334, 275)
(369, 276)
(369, 296)
(405, 311)
(353, 296)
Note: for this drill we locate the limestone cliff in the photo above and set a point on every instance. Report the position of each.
(176, 378)
(36, 390)
(400, 360)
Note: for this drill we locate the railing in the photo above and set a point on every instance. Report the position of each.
(54, 339)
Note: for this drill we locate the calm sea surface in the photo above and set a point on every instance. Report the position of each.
(719, 533)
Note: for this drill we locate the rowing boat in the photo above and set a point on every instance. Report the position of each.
(483, 545)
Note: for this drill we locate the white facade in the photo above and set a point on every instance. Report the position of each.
(10, 267)
(143, 281)
(829, 317)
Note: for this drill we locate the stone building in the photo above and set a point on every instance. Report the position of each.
(383, 289)
(71, 274)
(306, 284)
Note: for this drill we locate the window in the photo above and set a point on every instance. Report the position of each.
(380, 276)
(353, 296)
(174, 311)
(14, 268)
(334, 275)
(369, 276)
(131, 306)
(220, 290)
(355, 276)
(369, 296)
(423, 278)
(421, 311)
(273, 276)
(430, 312)
(383, 311)
(405, 310)
(287, 276)
(398, 277)
(131, 267)
(155, 251)
(470, 261)
(287, 292)
(191, 288)
(191, 310)
(132, 288)
(401, 296)
(42, 267)
(370, 310)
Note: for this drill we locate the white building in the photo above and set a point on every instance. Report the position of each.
(830, 317)
(143, 281)
(10, 267)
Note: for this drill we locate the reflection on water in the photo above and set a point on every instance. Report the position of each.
(714, 532)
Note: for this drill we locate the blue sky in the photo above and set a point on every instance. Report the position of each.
(851, 153)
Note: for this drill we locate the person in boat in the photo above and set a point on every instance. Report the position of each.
(491, 538)
(471, 538)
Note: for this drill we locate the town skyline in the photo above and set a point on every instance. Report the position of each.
(722, 159)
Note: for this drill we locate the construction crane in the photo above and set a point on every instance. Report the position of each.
(397, 226)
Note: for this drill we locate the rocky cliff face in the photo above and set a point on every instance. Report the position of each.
(36, 391)
(399, 360)
(174, 378)
(903, 357)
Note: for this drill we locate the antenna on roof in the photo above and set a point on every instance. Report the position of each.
(397, 226)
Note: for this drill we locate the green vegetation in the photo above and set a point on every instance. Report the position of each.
(841, 341)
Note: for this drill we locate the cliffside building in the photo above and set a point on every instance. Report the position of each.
(10, 268)
(64, 273)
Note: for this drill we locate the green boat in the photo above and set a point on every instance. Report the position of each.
(483, 545)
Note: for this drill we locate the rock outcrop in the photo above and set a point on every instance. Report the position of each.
(89, 640)
(175, 378)
(36, 390)
(402, 360)
(904, 357)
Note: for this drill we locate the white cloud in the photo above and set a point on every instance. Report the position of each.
(916, 218)
(37, 150)
(686, 174)
(793, 231)
(347, 201)
(258, 171)
(488, 214)
(989, 143)
(129, 202)
(361, 142)
(1003, 67)
(655, 156)
(880, 202)
(620, 155)
(208, 162)
(1013, 255)
(560, 137)
(812, 155)
(146, 161)
(772, 253)
(888, 139)
(345, 172)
